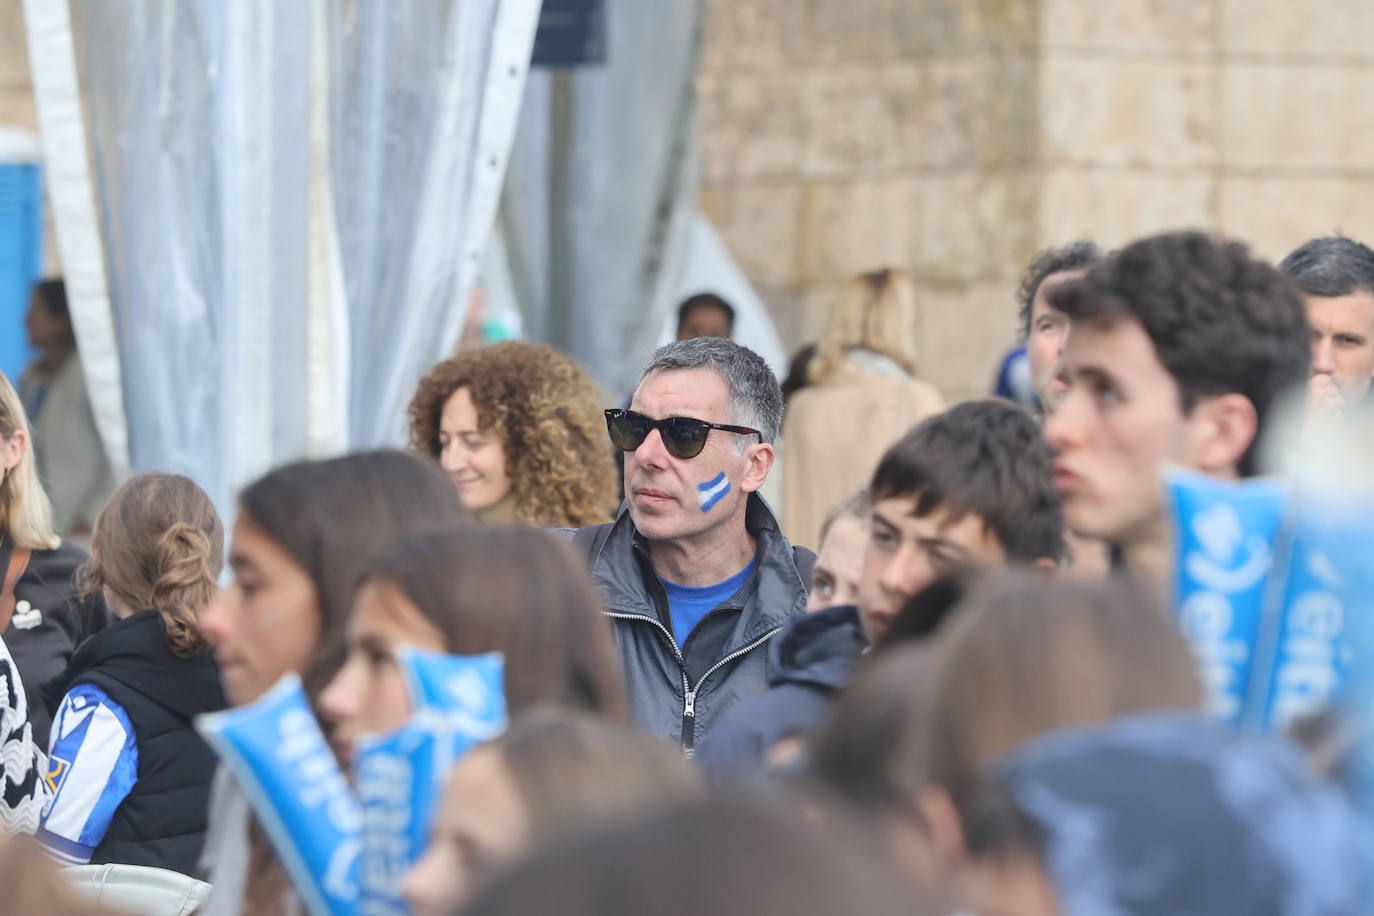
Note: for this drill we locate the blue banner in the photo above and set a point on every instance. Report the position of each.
(459, 702)
(276, 752)
(1225, 536)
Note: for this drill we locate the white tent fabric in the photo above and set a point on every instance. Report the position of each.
(293, 199)
(58, 97)
(600, 213)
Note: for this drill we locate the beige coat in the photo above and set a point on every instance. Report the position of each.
(71, 457)
(834, 435)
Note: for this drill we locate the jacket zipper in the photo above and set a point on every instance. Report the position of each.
(689, 693)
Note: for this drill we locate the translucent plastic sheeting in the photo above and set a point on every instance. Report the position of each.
(294, 199)
(600, 210)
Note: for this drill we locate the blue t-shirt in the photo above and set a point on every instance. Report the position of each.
(92, 766)
(688, 605)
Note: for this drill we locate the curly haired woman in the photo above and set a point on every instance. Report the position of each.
(519, 429)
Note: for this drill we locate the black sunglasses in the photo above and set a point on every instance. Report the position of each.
(682, 436)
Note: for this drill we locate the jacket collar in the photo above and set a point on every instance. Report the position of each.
(622, 567)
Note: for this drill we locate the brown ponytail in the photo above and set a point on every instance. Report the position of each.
(159, 543)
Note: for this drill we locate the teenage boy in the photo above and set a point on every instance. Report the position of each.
(1182, 344)
(967, 489)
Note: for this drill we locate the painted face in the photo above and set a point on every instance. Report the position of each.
(1343, 340)
(704, 321)
(671, 498)
(368, 696)
(1049, 331)
(839, 566)
(1015, 887)
(267, 622)
(482, 824)
(473, 458)
(1117, 427)
(906, 553)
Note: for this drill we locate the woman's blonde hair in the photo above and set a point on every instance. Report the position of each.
(876, 312)
(25, 512)
(159, 543)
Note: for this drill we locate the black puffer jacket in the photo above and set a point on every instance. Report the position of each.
(678, 692)
(49, 622)
(161, 822)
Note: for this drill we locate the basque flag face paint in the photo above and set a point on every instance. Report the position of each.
(712, 491)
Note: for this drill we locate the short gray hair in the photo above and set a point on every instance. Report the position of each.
(755, 398)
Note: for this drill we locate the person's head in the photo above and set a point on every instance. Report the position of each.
(553, 771)
(48, 320)
(517, 427)
(840, 562)
(25, 512)
(798, 372)
(1024, 656)
(970, 487)
(726, 857)
(492, 588)
(714, 381)
(705, 315)
(1335, 276)
(158, 543)
(876, 312)
(1188, 814)
(304, 534)
(1021, 656)
(1043, 327)
(1181, 346)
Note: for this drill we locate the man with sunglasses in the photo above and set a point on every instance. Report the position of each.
(696, 576)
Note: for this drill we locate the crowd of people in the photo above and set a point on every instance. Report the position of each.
(975, 695)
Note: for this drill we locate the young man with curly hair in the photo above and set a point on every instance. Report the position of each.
(1182, 343)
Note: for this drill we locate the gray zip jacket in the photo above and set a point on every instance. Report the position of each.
(679, 691)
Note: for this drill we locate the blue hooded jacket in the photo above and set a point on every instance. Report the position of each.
(811, 660)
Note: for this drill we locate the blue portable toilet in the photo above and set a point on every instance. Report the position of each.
(21, 242)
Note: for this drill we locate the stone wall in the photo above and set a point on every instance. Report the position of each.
(16, 96)
(956, 137)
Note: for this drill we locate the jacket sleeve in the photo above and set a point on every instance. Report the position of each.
(92, 767)
(23, 791)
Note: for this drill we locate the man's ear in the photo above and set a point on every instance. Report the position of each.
(759, 460)
(1220, 431)
(943, 824)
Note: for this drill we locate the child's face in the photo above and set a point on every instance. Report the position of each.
(839, 565)
(906, 553)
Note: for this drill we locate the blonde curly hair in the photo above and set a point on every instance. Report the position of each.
(548, 415)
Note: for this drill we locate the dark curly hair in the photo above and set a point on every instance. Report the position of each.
(984, 457)
(547, 413)
(1220, 320)
(1077, 255)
